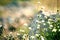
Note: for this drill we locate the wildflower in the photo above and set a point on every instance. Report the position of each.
(54, 30)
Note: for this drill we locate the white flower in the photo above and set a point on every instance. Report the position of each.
(32, 37)
(18, 34)
(45, 29)
(45, 16)
(30, 28)
(49, 19)
(0, 25)
(58, 26)
(22, 30)
(38, 21)
(43, 21)
(51, 25)
(24, 35)
(44, 24)
(38, 27)
(42, 38)
(59, 29)
(48, 22)
(37, 34)
(54, 30)
(4, 35)
(10, 32)
(25, 24)
(39, 15)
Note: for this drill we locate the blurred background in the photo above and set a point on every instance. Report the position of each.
(17, 15)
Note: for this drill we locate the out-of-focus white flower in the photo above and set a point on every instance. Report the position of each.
(24, 35)
(54, 30)
(4, 35)
(43, 21)
(58, 26)
(59, 29)
(0, 25)
(42, 38)
(48, 22)
(22, 30)
(10, 32)
(51, 25)
(45, 29)
(38, 21)
(38, 27)
(25, 24)
(39, 15)
(45, 16)
(18, 34)
(49, 19)
(30, 28)
(44, 24)
(32, 37)
(37, 34)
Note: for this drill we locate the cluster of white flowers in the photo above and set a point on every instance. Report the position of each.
(32, 37)
(38, 26)
(22, 30)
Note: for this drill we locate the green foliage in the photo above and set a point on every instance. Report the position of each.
(54, 35)
(5, 2)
